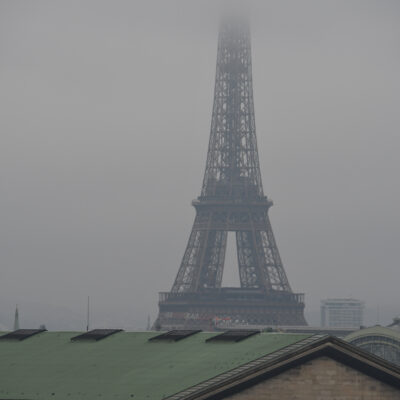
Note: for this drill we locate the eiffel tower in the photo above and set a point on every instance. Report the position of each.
(231, 200)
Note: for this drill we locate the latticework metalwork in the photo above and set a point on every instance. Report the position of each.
(232, 197)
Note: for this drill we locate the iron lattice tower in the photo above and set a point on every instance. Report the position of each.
(232, 199)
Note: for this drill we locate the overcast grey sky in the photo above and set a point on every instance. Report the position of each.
(105, 110)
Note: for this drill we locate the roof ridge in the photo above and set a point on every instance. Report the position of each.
(250, 365)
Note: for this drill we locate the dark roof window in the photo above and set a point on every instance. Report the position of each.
(233, 335)
(175, 335)
(21, 334)
(95, 334)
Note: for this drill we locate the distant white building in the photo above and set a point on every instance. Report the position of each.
(342, 313)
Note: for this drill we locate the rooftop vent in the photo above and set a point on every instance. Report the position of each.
(175, 335)
(233, 336)
(21, 334)
(95, 334)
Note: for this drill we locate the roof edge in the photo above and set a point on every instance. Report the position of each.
(286, 358)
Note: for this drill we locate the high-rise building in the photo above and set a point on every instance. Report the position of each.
(342, 313)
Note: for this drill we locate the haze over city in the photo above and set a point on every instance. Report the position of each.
(105, 118)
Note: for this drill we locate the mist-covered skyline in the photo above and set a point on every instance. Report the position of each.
(105, 116)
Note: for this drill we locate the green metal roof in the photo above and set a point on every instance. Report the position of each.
(123, 366)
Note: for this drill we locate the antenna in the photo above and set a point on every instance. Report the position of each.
(148, 327)
(377, 315)
(87, 315)
(16, 319)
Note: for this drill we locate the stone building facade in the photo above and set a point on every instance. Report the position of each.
(320, 379)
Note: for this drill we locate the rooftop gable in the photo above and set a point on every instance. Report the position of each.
(295, 354)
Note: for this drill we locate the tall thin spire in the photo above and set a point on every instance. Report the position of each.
(148, 326)
(87, 315)
(16, 319)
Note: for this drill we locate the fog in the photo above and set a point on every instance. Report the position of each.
(105, 110)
